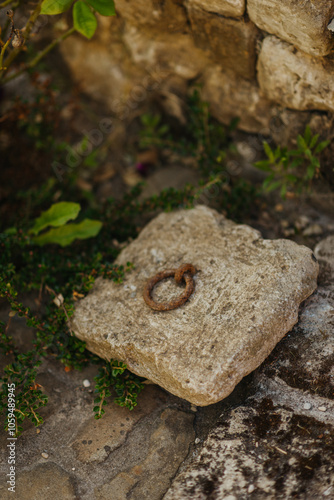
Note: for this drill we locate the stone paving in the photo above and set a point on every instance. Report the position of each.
(272, 438)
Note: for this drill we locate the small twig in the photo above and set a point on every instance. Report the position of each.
(10, 14)
(27, 31)
(4, 4)
(63, 308)
(39, 56)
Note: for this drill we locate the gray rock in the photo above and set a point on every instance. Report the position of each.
(246, 299)
(230, 42)
(293, 78)
(51, 481)
(230, 8)
(279, 442)
(303, 24)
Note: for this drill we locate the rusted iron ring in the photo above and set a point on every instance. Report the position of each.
(184, 272)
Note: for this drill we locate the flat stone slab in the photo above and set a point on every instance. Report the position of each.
(247, 294)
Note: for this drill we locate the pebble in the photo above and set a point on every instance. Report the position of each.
(86, 383)
(301, 222)
(45, 455)
(322, 408)
(193, 408)
(307, 406)
(251, 488)
(313, 230)
(197, 440)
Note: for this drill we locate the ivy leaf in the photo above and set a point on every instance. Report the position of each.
(84, 20)
(57, 215)
(104, 7)
(64, 235)
(53, 7)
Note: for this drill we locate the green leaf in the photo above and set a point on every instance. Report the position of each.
(308, 153)
(274, 185)
(64, 235)
(321, 146)
(283, 191)
(301, 143)
(104, 7)
(307, 135)
(263, 165)
(84, 20)
(269, 152)
(52, 7)
(10, 231)
(314, 141)
(57, 215)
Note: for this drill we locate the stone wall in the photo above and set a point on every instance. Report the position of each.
(270, 62)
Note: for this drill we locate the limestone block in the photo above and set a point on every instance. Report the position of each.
(295, 79)
(174, 54)
(247, 294)
(301, 23)
(102, 66)
(231, 42)
(231, 96)
(169, 16)
(230, 8)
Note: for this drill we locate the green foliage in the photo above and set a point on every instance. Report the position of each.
(84, 22)
(203, 138)
(65, 235)
(292, 170)
(58, 215)
(84, 19)
(53, 7)
(126, 385)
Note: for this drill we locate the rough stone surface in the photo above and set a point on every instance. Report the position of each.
(169, 15)
(230, 97)
(295, 79)
(231, 42)
(247, 295)
(53, 482)
(169, 441)
(303, 24)
(182, 58)
(230, 8)
(278, 443)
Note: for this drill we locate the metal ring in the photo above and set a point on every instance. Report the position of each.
(184, 272)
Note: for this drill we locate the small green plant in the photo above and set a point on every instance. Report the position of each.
(57, 216)
(84, 22)
(203, 139)
(292, 170)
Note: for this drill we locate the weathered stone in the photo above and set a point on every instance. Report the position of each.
(96, 439)
(41, 482)
(247, 295)
(231, 42)
(171, 53)
(264, 449)
(303, 24)
(233, 97)
(293, 78)
(168, 447)
(279, 442)
(169, 16)
(231, 8)
(103, 68)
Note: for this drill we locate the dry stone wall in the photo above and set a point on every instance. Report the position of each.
(257, 59)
